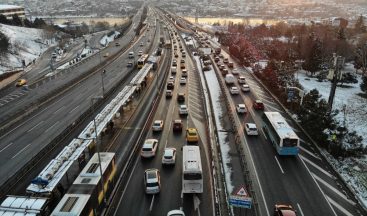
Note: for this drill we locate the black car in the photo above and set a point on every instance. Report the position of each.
(181, 97)
(170, 86)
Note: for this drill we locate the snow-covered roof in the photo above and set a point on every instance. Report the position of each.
(7, 7)
(22, 206)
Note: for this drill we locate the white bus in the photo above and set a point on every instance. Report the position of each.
(192, 173)
(281, 135)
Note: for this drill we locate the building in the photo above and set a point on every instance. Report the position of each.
(10, 10)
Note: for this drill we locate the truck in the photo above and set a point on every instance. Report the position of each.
(230, 79)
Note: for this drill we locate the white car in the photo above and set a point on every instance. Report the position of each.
(235, 71)
(171, 79)
(183, 81)
(183, 110)
(176, 213)
(234, 90)
(140, 53)
(241, 80)
(169, 156)
(149, 148)
(152, 181)
(245, 88)
(241, 108)
(157, 125)
(251, 129)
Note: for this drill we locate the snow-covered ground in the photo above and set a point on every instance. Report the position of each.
(105, 40)
(26, 44)
(353, 170)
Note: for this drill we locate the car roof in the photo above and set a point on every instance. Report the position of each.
(152, 175)
(241, 105)
(258, 101)
(177, 121)
(183, 106)
(158, 121)
(192, 130)
(169, 151)
(251, 125)
(233, 87)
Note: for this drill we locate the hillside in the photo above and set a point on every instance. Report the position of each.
(26, 44)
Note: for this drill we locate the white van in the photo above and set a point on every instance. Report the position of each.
(230, 79)
(173, 70)
(131, 54)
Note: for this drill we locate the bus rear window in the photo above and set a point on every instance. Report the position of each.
(290, 142)
(192, 176)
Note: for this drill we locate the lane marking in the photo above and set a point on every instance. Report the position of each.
(151, 204)
(318, 186)
(21, 151)
(6, 147)
(300, 209)
(334, 189)
(317, 167)
(262, 130)
(74, 109)
(281, 169)
(52, 126)
(310, 153)
(34, 126)
(58, 109)
(339, 207)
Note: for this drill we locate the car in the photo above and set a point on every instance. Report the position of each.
(169, 156)
(183, 81)
(182, 110)
(181, 97)
(183, 66)
(130, 64)
(106, 54)
(140, 53)
(176, 213)
(171, 79)
(221, 56)
(224, 71)
(216, 59)
(149, 148)
(169, 93)
(182, 60)
(284, 210)
(235, 71)
(117, 44)
(174, 62)
(157, 125)
(258, 105)
(184, 73)
(241, 108)
(192, 135)
(21, 82)
(251, 129)
(245, 88)
(230, 64)
(152, 181)
(241, 80)
(234, 90)
(176, 55)
(225, 60)
(141, 44)
(177, 125)
(206, 68)
(170, 85)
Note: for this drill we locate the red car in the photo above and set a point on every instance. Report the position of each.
(177, 125)
(284, 210)
(258, 105)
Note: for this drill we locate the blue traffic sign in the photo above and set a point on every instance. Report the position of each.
(242, 202)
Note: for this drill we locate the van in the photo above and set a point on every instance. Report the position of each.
(131, 54)
(173, 70)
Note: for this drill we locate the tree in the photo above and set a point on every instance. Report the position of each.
(4, 43)
(348, 78)
(359, 26)
(3, 19)
(28, 23)
(39, 23)
(364, 84)
(16, 20)
(314, 59)
(360, 61)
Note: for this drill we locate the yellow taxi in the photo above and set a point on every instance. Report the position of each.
(192, 135)
(21, 82)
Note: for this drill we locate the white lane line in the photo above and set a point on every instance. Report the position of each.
(51, 126)
(317, 167)
(58, 109)
(151, 204)
(262, 130)
(74, 109)
(310, 153)
(165, 145)
(318, 186)
(34, 126)
(21, 151)
(300, 209)
(281, 169)
(333, 189)
(170, 126)
(6, 147)
(339, 207)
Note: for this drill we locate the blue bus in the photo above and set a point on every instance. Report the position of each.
(280, 134)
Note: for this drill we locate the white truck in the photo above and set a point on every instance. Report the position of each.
(230, 79)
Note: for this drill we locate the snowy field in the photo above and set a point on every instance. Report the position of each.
(353, 170)
(26, 44)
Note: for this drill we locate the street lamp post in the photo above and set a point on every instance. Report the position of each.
(98, 150)
(102, 73)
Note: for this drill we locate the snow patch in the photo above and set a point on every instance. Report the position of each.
(105, 40)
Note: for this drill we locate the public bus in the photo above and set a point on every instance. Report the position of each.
(280, 134)
(86, 195)
(142, 60)
(192, 173)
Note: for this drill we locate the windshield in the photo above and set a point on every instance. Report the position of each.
(153, 184)
(192, 176)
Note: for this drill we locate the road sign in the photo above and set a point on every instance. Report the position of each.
(240, 201)
(242, 192)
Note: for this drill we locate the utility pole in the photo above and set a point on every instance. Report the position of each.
(338, 62)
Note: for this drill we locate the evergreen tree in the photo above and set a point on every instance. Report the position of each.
(360, 61)
(39, 23)
(359, 26)
(3, 19)
(314, 60)
(341, 35)
(4, 43)
(16, 20)
(28, 23)
(364, 84)
(348, 78)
